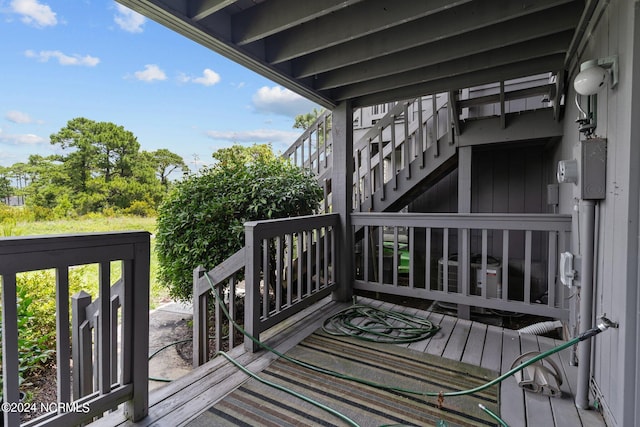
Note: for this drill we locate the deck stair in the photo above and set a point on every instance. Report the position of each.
(417, 141)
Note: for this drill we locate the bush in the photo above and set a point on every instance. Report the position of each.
(140, 208)
(201, 220)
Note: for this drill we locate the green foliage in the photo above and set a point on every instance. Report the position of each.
(140, 208)
(201, 220)
(34, 344)
(101, 168)
(304, 121)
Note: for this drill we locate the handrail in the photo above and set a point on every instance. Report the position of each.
(23, 254)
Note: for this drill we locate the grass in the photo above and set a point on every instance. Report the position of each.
(158, 293)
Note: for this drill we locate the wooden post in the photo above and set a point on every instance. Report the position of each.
(464, 206)
(252, 286)
(200, 320)
(342, 198)
(138, 407)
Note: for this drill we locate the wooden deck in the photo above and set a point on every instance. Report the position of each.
(475, 343)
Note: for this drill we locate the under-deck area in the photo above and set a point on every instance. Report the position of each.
(187, 401)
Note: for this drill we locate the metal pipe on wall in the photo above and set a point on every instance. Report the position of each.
(587, 233)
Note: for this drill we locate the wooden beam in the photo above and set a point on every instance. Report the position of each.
(201, 9)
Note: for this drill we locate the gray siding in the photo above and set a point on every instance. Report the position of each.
(616, 364)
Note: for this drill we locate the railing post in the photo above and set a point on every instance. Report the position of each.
(252, 287)
(81, 346)
(138, 309)
(10, 347)
(342, 199)
(200, 320)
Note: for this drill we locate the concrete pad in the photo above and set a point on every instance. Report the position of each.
(168, 326)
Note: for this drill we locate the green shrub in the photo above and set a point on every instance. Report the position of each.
(34, 349)
(140, 208)
(201, 220)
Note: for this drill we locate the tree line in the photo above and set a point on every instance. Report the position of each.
(100, 168)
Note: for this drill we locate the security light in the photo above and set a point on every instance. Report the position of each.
(593, 75)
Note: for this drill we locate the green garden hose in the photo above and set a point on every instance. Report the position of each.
(605, 324)
(383, 326)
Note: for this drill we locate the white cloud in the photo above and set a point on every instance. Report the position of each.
(255, 136)
(208, 78)
(63, 59)
(21, 139)
(150, 73)
(278, 100)
(18, 117)
(129, 20)
(34, 13)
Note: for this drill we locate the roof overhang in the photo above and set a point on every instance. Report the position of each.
(375, 51)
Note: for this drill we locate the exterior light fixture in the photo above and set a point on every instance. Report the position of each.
(593, 75)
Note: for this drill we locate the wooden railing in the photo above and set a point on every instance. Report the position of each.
(120, 370)
(287, 265)
(403, 145)
(227, 278)
(290, 265)
(494, 261)
(312, 151)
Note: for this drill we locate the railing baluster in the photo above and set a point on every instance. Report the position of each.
(278, 285)
(527, 267)
(365, 248)
(394, 166)
(318, 246)
(445, 259)
(217, 312)
(266, 277)
(299, 247)
(427, 260)
(421, 135)
(552, 260)
(289, 243)
(358, 165)
(115, 305)
(81, 346)
(232, 310)
(464, 263)
(381, 254)
(395, 256)
(483, 270)
(406, 143)
(412, 257)
(505, 265)
(104, 336)
(381, 164)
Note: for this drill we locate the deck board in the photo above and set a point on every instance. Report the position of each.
(538, 406)
(483, 345)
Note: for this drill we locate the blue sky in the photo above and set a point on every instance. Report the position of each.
(61, 59)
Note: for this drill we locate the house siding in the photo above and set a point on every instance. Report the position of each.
(615, 353)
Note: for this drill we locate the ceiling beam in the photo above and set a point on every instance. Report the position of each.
(449, 23)
(200, 9)
(435, 53)
(348, 24)
(476, 78)
(554, 44)
(268, 18)
(521, 29)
